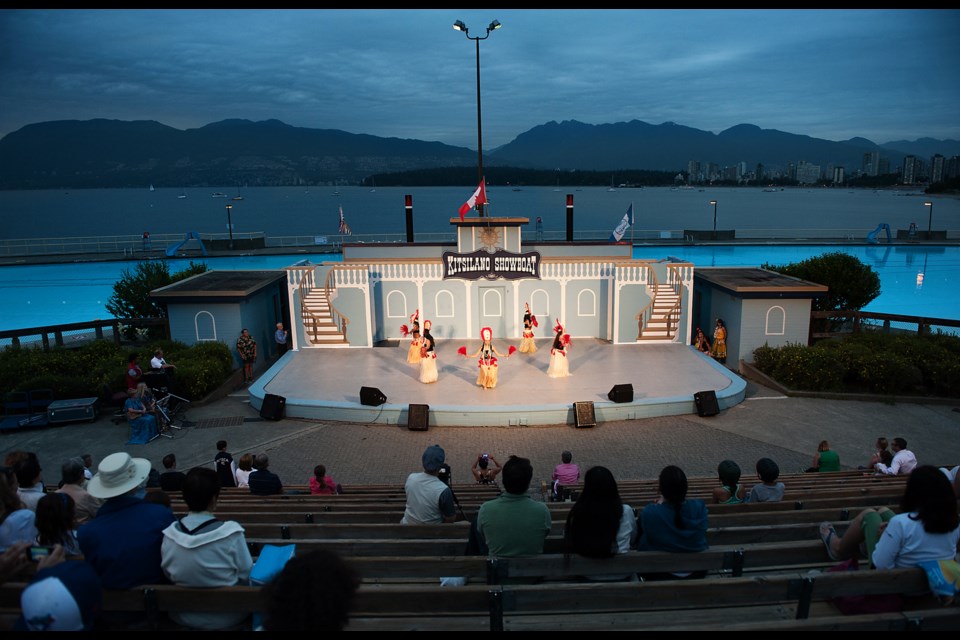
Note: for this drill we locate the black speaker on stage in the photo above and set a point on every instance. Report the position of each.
(706, 402)
(272, 407)
(621, 393)
(418, 416)
(371, 396)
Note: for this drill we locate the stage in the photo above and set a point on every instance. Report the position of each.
(324, 384)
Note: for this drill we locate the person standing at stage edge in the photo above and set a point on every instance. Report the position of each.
(720, 342)
(247, 348)
(280, 337)
(428, 357)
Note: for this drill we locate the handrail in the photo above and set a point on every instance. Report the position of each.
(335, 313)
(643, 317)
(305, 287)
(675, 281)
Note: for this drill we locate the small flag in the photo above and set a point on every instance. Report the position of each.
(623, 226)
(344, 227)
(479, 197)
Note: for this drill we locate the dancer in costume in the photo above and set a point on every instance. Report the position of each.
(527, 344)
(416, 341)
(701, 343)
(487, 376)
(559, 367)
(428, 357)
(720, 342)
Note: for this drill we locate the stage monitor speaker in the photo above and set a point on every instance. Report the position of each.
(583, 415)
(621, 393)
(706, 402)
(272, 407)
(418, 416)
(371, 396)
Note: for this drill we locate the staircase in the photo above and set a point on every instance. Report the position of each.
(318, 322)
(660, 327)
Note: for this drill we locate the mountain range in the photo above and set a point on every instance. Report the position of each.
(104, 153)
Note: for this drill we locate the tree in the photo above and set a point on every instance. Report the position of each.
(852, 284)
(131, 293)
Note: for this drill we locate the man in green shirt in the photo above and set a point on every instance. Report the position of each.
(513, 524)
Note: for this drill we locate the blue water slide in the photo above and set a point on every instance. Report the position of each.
(191, 235)
(872, 236)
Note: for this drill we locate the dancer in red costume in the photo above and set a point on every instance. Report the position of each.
(416, 341)
(428, 357)
(527, 344)
(487, 376)
(559, 366)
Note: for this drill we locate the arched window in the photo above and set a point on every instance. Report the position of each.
(444, 304)
(492, 303)
(776, 321)
(397, 305)
(540, 303)
(587, 303)
(205, 326)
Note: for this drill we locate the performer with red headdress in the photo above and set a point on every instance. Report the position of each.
(527, 344)
(428, 357)
(559, 367)
(416, 342)
(487, 377)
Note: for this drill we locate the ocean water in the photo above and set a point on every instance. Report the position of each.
(296, 211)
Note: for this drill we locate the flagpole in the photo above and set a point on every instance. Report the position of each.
(632, 225)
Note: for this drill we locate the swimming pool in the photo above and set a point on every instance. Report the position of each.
(43, 295)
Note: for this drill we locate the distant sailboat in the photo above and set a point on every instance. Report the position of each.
(238, 196)
(183, 194)
(373, 188)
(151, 188)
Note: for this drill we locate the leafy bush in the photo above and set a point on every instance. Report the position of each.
(868, 362)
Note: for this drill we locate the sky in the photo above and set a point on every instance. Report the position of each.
(883, 75)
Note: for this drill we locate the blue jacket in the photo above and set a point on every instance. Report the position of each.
(658, 532)
(123, 542)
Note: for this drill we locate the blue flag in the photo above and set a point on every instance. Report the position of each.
(623, 226)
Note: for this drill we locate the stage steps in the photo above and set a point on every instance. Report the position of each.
(660, 328)
(318, 323)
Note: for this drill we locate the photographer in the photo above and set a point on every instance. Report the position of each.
(429, 498)
(482, 472)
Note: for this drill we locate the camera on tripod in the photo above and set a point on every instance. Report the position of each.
(444, 473)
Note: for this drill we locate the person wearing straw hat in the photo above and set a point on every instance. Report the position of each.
(123, 542)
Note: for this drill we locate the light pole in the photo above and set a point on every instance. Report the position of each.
(459, 26)
(714, 203)
(929, 217)
(230, 225)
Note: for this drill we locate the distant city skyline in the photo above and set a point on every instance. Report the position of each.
(884, 75)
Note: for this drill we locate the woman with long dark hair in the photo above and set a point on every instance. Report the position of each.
(56, 513)
(927, 527)
(673, 523)
(599, 524)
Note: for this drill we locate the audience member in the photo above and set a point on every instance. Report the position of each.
(673, 523)
(730, 490)
(159, 496)
(429, 499)
(14, 457)
(199, 550)
(158, 363)
(123, 542)
(13, 561)
(564, 474)
(244, 469)
(87, 465)
(170, 478)
(953, 475)
(770, 490)
(314, 592)
(320, 483)
(29, 480)
(264, 482)
(223, 463)
(280, 337)
(72, 483)
(600, 524)
(903, 463)
(55, 522)
(927, 527)
(143, 424)
(17, 523)
(134, 372)
(483, 473)
(247, 349)
(513, 524)
(61, 596)
(877, 456)
(825, 460)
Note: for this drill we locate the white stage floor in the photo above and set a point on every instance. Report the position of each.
(324, 384)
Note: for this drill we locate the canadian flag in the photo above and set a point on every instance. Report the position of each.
(479, 197)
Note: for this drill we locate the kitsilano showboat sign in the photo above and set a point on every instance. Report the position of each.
(492, 266)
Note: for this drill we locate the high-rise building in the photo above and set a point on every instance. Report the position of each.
(871, 163)
(808, 173)
(936, 168)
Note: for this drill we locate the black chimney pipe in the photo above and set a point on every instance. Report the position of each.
(569, 217)
(408, 202)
